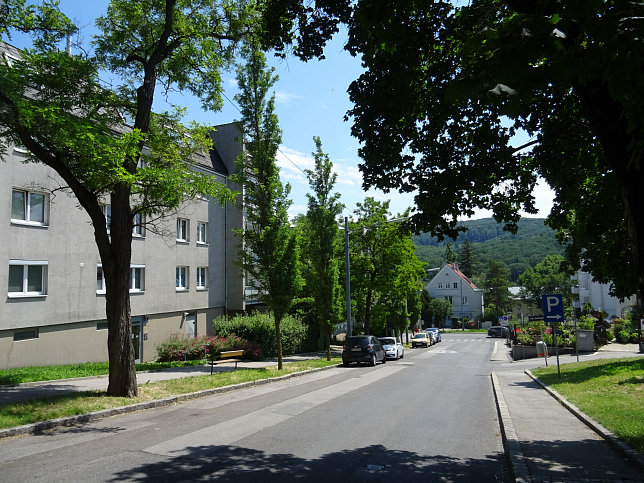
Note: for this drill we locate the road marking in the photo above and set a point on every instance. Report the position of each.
(228, 432)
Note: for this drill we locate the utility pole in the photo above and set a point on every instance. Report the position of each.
(348, 275)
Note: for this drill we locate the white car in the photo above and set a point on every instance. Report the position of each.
(393, 347)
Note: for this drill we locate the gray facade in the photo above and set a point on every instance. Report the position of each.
(54, 306)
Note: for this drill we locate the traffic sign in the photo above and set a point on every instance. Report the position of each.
(553, 308)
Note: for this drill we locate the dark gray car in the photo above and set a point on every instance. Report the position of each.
(363, 348)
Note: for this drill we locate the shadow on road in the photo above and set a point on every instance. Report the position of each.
(371, 463)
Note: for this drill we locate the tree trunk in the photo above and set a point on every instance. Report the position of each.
(367, 312)
(278, 340)
(116, 266)
(328, 342)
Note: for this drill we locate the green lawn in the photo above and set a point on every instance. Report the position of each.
(12, 415)
(71, 371)
(610, 391)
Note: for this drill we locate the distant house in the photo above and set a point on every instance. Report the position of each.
(586, 289)
(451, 284)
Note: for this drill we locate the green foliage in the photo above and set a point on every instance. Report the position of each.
(497, 283)
(467, 259)
(385, 272)
(550, 276)
(321, 244)
(259, 328)
(447, 86)
(439, 309)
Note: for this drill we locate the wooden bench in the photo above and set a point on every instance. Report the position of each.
(227, 356)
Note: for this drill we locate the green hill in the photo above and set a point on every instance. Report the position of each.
(528, 247)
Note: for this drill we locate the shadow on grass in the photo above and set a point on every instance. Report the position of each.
(371, 463)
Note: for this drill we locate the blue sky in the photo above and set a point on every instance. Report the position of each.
(311, 100)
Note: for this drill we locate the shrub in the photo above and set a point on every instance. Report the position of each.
(181, 348)
(259, 328)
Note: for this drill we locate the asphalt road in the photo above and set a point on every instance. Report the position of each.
(428, 417)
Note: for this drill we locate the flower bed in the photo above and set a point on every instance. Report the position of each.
(178, 348)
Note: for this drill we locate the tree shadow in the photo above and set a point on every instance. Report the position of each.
(371, 463)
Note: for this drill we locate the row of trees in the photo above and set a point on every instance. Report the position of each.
(301, 266)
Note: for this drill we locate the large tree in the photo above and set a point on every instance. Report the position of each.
(269, 248)
(446, 88)
(323, 243)
(497, 284)
(54, 104)
(551, 275)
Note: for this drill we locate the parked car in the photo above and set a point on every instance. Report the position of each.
(363, 348)
(498, 331)
(437, 333)
(393, 347)
(421, 339)
(431, 336)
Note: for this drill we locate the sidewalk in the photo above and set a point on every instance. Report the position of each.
(545, 441)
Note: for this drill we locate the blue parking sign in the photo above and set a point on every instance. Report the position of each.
(553, 308)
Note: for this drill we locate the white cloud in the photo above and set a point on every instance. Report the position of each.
(283, 97)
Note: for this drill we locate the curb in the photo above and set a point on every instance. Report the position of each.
(39, 427)
(610, 437)
(510, 439)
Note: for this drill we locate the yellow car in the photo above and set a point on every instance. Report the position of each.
(421, 339)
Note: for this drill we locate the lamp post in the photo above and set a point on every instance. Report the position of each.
(348, 275)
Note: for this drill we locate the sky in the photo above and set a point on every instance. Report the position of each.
(311, 100)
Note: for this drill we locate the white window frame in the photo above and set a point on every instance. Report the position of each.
(463, 300)
(202, 278)
(455, 284)
(27, 208)
(181, 278)
(183, 230)
(202, 233)
(134, 269)
(440, 285)
(138, 230)
(25, 264)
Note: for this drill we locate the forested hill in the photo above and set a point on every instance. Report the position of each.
(528, 247)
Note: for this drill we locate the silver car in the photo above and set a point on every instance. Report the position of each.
(393, 347)
(436, 332)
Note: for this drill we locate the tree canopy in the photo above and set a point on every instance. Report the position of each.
(447, 89)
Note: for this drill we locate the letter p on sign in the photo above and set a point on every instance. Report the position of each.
(553, 309)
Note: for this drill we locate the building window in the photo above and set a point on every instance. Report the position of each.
(101, 325)
(182, 278)
(464, 301)
(455, 285)
(107, 213)
(440, 285)
(202, 278)
(449, 298)
(25, 334)
(137, 278)
(183, 227)
(100, 279)
(139, 225)
(27, 278)
(202, 232)
(28, 207)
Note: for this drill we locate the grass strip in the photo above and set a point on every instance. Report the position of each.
(610, 391)
(20, 375)
(38, 410)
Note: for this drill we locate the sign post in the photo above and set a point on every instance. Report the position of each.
(553, 312)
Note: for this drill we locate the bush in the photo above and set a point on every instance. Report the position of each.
(181, 348)
(259, 328)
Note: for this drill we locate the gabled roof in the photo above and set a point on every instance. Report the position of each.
(466, 280)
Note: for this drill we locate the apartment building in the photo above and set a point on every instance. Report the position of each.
(54, 308)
